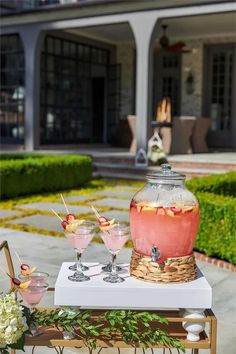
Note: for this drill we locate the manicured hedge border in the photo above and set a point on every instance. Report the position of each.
(43, 174)
(217, 236)
(216, 195)
(224, 184)
(20, 156)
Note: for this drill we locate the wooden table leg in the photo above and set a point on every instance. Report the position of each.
(213, 335)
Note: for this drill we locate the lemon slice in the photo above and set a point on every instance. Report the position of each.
(73, 226)
(29, 271)
(25, 284)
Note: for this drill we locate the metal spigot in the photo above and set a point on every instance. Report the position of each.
(155, 253)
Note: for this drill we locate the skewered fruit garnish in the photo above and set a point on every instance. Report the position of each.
(25, 284)
(70, 218)
(104, 223)
(19, 284)
(71, 227)
(28, 271)
(24, 266)
(16, 281)
(64, 223)
(71, 223)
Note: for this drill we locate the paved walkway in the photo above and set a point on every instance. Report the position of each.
(49, 252)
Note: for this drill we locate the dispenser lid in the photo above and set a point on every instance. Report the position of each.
(166, 173)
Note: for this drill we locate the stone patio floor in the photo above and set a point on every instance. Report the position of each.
(49, 252)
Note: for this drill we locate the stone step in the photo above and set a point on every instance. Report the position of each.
(112, 170)
(202, 165)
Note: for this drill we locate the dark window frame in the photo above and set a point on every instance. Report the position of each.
(12, 78)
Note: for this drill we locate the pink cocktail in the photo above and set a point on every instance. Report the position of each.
(114, 243)
(36, 278)
(173, 229)
(32, 296)
(114, 240)
(79, 240)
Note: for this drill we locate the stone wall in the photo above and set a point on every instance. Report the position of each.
(191, 104)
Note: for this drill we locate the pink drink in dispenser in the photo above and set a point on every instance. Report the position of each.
(164, 217)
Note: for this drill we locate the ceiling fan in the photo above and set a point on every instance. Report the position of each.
(175, 47)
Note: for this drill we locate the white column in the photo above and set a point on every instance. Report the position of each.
(31, 41)
(143, 29)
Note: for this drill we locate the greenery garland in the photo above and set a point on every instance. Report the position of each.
(133, 327)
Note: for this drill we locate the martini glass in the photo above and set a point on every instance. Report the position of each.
(32, 296)
(74, 266)
(114, 241)
(108, 268)
(80, 240)
(36, 277)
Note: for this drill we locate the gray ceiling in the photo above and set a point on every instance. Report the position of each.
(178, 28)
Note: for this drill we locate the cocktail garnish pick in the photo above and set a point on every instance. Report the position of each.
(15, 281)
(70, 218)
(65, 204)
(57, 214)
(25, 268)
(18, 257)
(71, 223)
(104, 223)
(64, 223)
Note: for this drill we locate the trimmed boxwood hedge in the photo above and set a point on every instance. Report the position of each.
(216, 195)
(30, 175)
(224, 184)
(217, 235)
(20, 156)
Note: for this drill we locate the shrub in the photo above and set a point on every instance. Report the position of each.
(224, 184)
(217, 236)
(44, 174)
(20, 156)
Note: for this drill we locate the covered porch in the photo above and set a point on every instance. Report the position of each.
(124, 71)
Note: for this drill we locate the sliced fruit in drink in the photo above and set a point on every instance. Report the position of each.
(160, 211)
(176, 210)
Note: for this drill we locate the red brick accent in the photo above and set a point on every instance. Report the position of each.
(218, 262)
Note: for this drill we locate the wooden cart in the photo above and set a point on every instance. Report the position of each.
(53, 338)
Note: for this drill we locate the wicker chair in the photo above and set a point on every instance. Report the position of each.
(199, 133)
(181, 134)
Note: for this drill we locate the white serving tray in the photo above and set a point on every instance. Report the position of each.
(131, 294)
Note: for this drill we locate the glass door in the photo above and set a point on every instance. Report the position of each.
(167, 80)
(219, 88)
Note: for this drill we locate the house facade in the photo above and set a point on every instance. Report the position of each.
(73, 70)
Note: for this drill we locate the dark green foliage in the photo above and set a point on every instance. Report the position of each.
(43, 174)
(224, 184)
(133, 327)
(217, 232)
